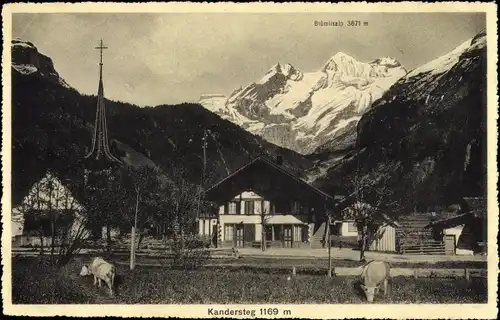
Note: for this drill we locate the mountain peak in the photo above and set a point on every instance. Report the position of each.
(22, 43)
(341, 55)
(285, 69)
(27, 60)
(386, 61)
(338, 60)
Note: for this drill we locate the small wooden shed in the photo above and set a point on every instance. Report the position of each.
(384, 239)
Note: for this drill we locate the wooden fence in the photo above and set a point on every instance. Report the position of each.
(414, 238)
(420, 272)
(213, 253)
(423, 247)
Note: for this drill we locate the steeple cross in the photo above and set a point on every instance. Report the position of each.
(101, 47)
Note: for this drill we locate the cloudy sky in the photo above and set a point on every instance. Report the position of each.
(170, 58)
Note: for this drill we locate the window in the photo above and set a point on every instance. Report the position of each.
(228, 232)
(249, 207)
(283, 207)
(232, 207)
(351, 227)
(278, 232)
(304, 209)
(305, 233)
(295, 207)
(269, 232)
(262, 207)
(272, 208)
(297, 234)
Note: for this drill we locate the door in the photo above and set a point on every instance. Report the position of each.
(214, 235)
(449, 244)
(238, 236)
(287, 236)
(249, 233)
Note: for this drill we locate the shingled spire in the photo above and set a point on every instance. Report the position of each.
(100, 145)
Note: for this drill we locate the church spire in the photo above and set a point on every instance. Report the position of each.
(100, 144)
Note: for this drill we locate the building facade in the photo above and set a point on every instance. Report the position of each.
(48, 207)
(262, 201)
(464, 233)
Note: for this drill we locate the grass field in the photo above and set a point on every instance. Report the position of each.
(36, 282)
(306, 265)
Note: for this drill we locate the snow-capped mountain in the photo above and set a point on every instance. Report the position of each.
(27, 60)
(427, 132)
(303, 110)
(417, 84)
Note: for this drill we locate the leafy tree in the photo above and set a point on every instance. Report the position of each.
(104, 198)
(144, 187)
(369, 200)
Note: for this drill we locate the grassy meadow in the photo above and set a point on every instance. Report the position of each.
(36, 282)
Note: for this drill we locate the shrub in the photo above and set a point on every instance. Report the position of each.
(188, 253)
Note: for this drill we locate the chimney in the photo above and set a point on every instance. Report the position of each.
(279, 160)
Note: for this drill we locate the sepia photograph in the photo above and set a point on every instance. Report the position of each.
(251, 161)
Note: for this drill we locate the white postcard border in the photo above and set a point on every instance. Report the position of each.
(418, 311)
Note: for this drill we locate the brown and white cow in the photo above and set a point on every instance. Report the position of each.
(374, 274)
(102, 271)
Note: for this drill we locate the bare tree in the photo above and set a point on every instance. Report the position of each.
(73, 238)
(264, 219)
(144, 189)
(370, 197)
(182, 202)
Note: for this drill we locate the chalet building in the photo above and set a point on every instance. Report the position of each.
(264, 202)
(48, 206)
(464, 233)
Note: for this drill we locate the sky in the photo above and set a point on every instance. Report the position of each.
(170, 58)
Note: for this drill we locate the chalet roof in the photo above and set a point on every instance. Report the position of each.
(274, 166)
(449, 222)
(473, 208)
(50, 192)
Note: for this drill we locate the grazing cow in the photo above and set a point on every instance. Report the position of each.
(374, 274)
(102, 271)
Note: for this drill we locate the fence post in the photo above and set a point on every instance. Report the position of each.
(415, 273)
(294, 271)
(467, 274)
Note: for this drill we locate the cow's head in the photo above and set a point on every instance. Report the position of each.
(85, 271)
(369, 292)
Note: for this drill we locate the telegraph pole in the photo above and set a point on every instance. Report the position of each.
(329, 247)
(329, 221)
(204, 147)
